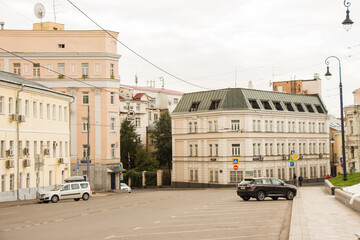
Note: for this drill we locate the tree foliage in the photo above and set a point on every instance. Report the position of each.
(145, 160)
(128, 144)
(163, 141)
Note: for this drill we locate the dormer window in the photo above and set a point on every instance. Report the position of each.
(278, 106)
(289, 107)
(254, 104)
(266, 105)
(299, 107)
(194, 106)
(319, 109)
(214, 104)
(309, 108)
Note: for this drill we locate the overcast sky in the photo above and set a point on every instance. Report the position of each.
(206, 41)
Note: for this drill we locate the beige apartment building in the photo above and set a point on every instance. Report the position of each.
(82, 63)
(259, 129)
(352, 137)
(34, 137)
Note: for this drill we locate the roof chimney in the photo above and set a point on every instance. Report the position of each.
(2, 25)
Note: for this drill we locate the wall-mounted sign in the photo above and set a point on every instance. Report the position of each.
(213, 159)
(256, 159)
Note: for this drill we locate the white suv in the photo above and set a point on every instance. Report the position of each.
(71, 190)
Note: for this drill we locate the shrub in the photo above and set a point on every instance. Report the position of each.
(167, 178)
(136, 178)
(151, 178)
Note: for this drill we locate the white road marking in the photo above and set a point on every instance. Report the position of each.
(186, 212)
(173, 216)
(6, 230)
(17, 228)
(157, 222)
(137, 228)
(204, 206)
(84, 214)
(237, 237)
(112, 236)
(28, 221)
(58, 220)
(37, 224)
(27, 226)
(8, 213)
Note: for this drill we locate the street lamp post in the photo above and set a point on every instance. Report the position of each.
(347, 23)
(333, 167)
(328, 75)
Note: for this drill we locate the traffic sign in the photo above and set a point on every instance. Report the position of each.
(295, 156)
(292, 164)
(341, 160)
(121, 164)
(235, 161)
(292, 152)
(131, 114)
(342, 165)
(236, 167)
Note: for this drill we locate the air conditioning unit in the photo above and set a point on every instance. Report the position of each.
(10, 153)
(61, 160)
(21, 118)
(13, 117)
(9, 163)
(320, 155)
(27, 163)
(26, 151)
(285, 157)
(46, 151)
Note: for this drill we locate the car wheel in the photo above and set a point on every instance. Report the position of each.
(76, 199)
(85, 196)
(54, 199)
(290, 195)
(260, 196)
(246, 198)
(274, 198)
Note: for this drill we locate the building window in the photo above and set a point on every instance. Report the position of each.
(271, 149)
(60, 113)
(138, 107)
(266, 149)
(11, 106)
(54, 111)
(113, 153)
(112, 97)
(190, 127)
(254, 104)
(235, 149)
(214, 104)
(210, 149)
(36, 70)
(112, 72)
(12, 182)
(17, 68)
(190, 150)
(62, 176)
(3, 182)
(61, 149)
(54, 148)
(236, 176)
(85, 69)
(85, 98)
(65, 114)
(27, 180)
(194, 106)
(61, 45)
(34, 109)
(196, 149)
(176, 100)
(235, 125)
(48, 111)
(151, 141)
(254, 149)
(84, 151)
(61, 70)
(216, 150)
(211, 176)
(41, 106)
(266, 126)
(19, 107)
(85, 125)
(66, 149)
(351, 127)
(112, 124)
(191, 175)
(2, 149)
(210, 126)
(50, 178)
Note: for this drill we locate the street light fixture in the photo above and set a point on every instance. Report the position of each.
(347, 23)
(328, 75)
(333, 168)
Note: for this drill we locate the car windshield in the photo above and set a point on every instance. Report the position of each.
(57, 187)
(246, 181)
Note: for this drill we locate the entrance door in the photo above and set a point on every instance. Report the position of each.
(112, 180)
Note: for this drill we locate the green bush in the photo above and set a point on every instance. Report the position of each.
(167, 178)
(151, 178)
(136, 178)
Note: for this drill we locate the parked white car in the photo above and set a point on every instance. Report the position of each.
(125, 187)
(72, 190)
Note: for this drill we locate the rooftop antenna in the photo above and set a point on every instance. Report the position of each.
(162, 82)
(136, 79)
(39, 11)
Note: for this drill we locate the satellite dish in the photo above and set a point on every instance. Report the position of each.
(39, 10)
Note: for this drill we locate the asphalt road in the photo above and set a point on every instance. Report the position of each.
(150, 214)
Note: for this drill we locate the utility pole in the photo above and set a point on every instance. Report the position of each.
(88, 145)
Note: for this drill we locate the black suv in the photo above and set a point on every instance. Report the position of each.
(260, 188)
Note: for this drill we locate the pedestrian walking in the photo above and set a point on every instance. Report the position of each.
(300, 180)
(294, 179)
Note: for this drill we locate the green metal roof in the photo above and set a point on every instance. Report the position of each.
(238, 99)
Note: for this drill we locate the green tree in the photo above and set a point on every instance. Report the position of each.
(128, 144)
(163, 141)
(145, 161)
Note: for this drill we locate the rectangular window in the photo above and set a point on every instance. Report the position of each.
(194, 106)
(66, 149)
(271, 149)
(27, 180)
(112, 72)
(138, 107)
(17, 68)
(61, 149)
(190, 127)
(210, 126)
(196, 175)
(85, 125)
(235, 149)
(54, 148)
(19, 107)
(60, 113)
(271, 125)
(235, 125)
(54, 111)
(34, 109)
(85, 69)
(61, 70)
(26, 107)
(191, 175)
(12, 182)
(113, 153)
(254, 104)
(2, 149)
(196, 149)
(278, 106)
(299, 107)
(112, 97)
(41, 110)
(210, 149)
(85, 98)
(266, 105)
(195, 127)
(65, 114)
(211, 176)
(236, 176)
(11, 105)
(190, 150)
(214, 104)
(258, 126)
(351, 127)
(3, 182)
(112, 124)
(216, 150)
(266, 126)
(266, 149)
(84, 151)
(50, 178)
(254, 125)
(254, 149)
(48, 111)
(176, 100)
(36, 70)
(216, 176)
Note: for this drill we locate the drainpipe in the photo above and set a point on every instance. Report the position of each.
(17, 141)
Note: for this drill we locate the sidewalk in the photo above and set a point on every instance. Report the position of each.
(317, 216)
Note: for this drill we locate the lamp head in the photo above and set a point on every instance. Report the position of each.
(347, 23)
(332, 140)
(328, 74)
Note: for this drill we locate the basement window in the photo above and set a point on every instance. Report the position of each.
(254, 104)
(319, 109)
(266, 105)
(289, 107)
(278, 106)
(214, 104)
(61, 45)
(309, 108)
(194, 106)
(299, 107)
